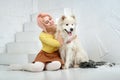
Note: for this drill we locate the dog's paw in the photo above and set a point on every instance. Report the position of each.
(66, 67)
(63, 67)
(76, 66)
(15, 67)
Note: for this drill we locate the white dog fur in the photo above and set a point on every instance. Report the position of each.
(71, 53)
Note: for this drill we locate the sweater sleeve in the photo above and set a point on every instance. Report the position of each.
(49, 41)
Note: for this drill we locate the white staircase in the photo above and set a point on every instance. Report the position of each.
(26, 45)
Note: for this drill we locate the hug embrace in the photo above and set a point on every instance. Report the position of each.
(60, 47)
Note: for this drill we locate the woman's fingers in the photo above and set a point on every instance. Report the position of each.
(40, 23)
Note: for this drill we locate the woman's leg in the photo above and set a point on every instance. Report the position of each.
(34, 67)
(54, 65)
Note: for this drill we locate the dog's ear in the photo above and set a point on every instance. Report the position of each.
(63, 17)
(60, 21)
(73, 17)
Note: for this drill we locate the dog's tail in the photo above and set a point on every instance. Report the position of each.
(93, 64)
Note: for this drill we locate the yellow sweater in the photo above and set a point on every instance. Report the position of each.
(49, 43)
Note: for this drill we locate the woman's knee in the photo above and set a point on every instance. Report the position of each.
(37, 66)
(54, 65)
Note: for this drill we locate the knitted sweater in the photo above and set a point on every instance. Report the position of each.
(50, 44)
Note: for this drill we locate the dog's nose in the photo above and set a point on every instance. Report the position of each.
(71, 29)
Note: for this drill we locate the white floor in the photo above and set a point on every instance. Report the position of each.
(101, 73)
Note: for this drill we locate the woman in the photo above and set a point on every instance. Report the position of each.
(48, 58)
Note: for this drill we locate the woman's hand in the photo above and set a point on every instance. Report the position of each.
(71, 39)
(41, 19)
(59, 38)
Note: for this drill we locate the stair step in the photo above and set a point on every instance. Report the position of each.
(34, 17)
(21, 53)
(30, 26)
(31, 57)
(23, 47)
(13, 58)
(27, 37)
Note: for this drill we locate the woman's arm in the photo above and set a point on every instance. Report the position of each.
(59, 38)
(49, 41)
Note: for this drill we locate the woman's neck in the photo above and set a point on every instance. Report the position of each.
(51, 31)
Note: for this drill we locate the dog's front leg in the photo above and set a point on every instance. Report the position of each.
(67, 63)
(76, 61)
(68, 59)
(62, 53)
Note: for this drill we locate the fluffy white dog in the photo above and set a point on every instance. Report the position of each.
(71, 52)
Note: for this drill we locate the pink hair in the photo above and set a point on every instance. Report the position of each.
(39, 21)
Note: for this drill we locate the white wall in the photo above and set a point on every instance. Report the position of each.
(13, 13)
(98, 22)
(100, 27)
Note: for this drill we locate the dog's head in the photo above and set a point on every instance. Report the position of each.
(67, 24)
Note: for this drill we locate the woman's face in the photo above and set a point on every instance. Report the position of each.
(49, 23)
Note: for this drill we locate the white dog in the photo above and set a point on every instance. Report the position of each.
(71, 52)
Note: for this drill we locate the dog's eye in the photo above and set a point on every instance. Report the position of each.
(66, 24)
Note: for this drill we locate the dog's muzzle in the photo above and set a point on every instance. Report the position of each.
(71, 29)
(69, 32)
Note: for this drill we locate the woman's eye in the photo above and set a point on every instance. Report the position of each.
(66, 24)
(46, 22)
